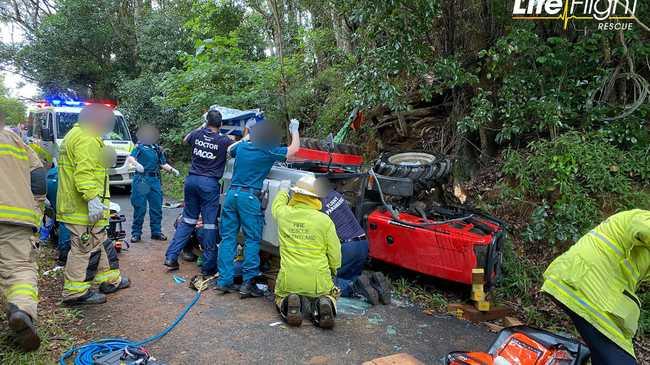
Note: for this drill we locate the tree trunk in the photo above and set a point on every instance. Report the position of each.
(279, 45)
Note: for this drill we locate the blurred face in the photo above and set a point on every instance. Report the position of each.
(265, 135)
(98, 118)
(148, 135)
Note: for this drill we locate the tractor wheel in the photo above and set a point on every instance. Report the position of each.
(423, 168)
(321, 145)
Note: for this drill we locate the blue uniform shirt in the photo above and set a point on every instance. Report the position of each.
(253, 164)
(209, 151)
(347, 226)
(151, 157)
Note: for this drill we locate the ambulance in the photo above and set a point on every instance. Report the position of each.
(48, 123)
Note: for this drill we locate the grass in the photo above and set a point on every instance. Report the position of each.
(419, 295)
(55, 324)
(173, 186)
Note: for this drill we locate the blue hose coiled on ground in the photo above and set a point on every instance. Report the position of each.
(86, 353)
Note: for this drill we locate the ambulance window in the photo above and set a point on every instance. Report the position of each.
(37, 125)
(120, 131)
(30, 124)
(64, 122)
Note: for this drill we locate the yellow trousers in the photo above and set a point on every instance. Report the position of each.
(88, 262)
(18, 269)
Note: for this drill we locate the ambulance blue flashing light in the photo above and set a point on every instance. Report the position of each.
(73, 103)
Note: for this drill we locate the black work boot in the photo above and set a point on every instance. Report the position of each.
(23, 328)
(292, 310)
(250, 290)
(225, 289)
(171, 264)
(325, 313)
(159, 237)
(107, 288)
(383, 287)
(91, 297)
(362, 286)
(189, 256)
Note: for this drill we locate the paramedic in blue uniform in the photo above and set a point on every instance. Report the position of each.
(243, 207)
(202, 190)
(148, 158)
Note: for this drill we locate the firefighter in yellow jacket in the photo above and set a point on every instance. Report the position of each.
(82, 204)
(310, 254)
(22, 181)
(596, 281)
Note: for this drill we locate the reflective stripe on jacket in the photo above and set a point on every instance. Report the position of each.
(310, 251)
(82, 177)
(17, 160)
(597, 277)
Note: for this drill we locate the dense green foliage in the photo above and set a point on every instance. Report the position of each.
(577, 178)
(12, 108)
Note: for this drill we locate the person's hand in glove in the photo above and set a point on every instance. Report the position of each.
(294, 124)
(167, 167)
(133, 162)
(95, 209)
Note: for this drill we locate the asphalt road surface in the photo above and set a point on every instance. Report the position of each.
(223, 329)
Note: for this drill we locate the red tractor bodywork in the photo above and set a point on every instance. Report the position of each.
(449, 250)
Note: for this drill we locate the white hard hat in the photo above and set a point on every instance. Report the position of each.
(310, 186)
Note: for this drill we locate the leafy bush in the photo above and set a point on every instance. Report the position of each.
(577, 179)
(539, 85)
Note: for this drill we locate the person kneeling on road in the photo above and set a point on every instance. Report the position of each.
(243, 206)
(148, 158)
(596, 280)
(350, 278)
(82, 204)
(310, 254)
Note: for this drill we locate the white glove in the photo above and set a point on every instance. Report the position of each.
(138, 167)
(95, 210)
(175, 172)
(285, 185)
(251, 122)
(294, 124)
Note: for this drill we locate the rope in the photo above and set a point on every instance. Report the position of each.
(641, 89)
(87, 353)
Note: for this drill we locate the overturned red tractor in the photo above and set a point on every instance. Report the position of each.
(445, 242)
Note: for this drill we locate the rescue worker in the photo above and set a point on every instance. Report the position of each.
(350, 278)
(243, 206)
(82, 205)
(19, 218)
(148, 159)
(595, 283)
(310, 254)
(202, 191)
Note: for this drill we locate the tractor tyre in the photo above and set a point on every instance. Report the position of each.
(421, 167)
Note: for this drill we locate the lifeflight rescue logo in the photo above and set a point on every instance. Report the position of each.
(610, 14)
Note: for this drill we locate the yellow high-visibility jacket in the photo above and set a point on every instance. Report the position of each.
(597, 277)
(310, 251)
(82, 177)
(17, 161)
